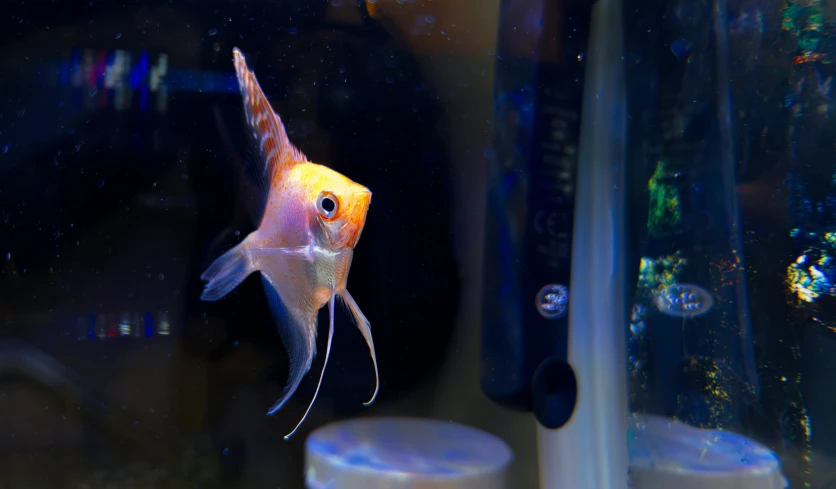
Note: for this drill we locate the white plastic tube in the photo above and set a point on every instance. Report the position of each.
(590, 451)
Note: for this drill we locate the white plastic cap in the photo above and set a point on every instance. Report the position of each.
(665, 454)
(394, 453)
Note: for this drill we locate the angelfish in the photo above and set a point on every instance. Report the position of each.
(309, 221)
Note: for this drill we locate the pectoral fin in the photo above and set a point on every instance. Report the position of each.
(365, 329)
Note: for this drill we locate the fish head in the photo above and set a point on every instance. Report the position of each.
(336, 206)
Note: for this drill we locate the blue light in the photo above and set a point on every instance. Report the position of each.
(149, 325)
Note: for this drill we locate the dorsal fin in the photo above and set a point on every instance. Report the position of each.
(276, 154)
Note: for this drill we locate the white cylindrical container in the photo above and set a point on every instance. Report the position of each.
(395, 453)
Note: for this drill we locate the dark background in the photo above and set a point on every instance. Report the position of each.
(110, 211)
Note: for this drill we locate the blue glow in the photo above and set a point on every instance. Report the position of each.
(679, 49)
(149, 325)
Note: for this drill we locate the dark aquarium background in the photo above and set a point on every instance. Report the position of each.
(121, 134)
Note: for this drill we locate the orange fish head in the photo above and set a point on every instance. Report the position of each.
(338, 207)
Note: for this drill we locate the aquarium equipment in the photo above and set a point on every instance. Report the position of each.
(530, 208)
(656, 254)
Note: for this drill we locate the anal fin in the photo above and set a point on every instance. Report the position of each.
(297, 327)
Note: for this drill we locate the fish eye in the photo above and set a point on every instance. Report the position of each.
(327, 205)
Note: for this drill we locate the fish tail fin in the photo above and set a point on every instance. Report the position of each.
(227, 271)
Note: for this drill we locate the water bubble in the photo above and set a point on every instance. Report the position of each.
(226, 452)
(5, 148)
(443, 32)
(213, 31)
(684, 300)
(8, 256)
(430, 19)
(552, 301)
(292, 30)
(216, 47)
(100, 182)
(118, 35)
(161, 276)
(93, 91)
(21, 111)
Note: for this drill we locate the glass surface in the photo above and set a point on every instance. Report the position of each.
(732, 322)
(128, 167)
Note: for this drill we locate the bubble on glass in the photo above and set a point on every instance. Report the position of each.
(118, 35)
(552, 301)
(213, 31)
(429, 19)
(684, 300)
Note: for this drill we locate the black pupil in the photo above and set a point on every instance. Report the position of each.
(328, 205)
